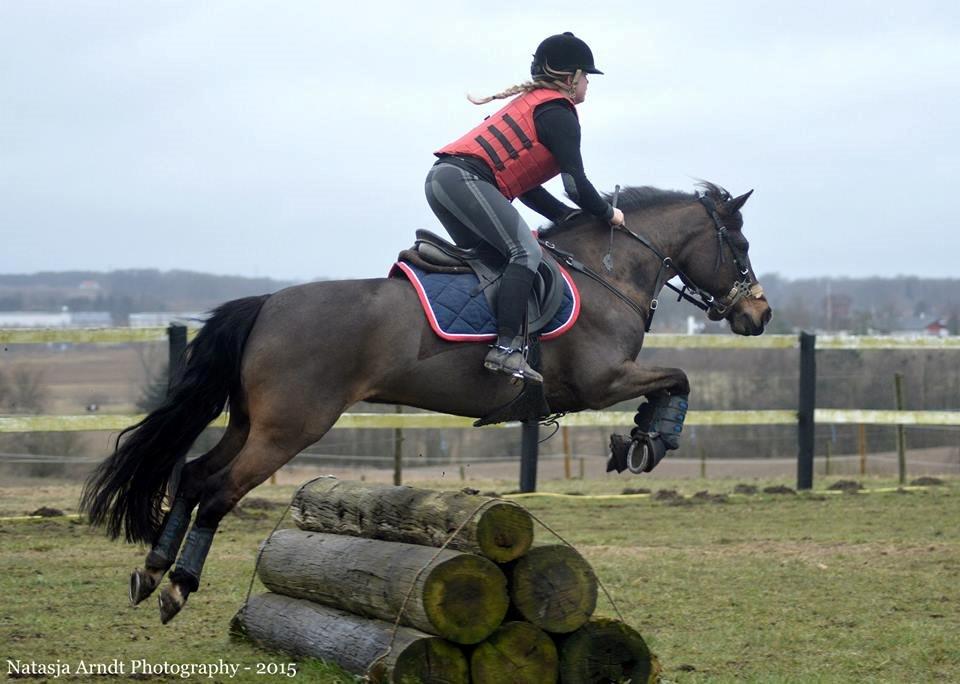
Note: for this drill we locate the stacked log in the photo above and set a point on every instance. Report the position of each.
(487, 608)
(499, 531)
(307, 629)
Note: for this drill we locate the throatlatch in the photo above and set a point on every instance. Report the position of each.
(659, 422)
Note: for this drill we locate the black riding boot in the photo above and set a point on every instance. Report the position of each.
(507, 355)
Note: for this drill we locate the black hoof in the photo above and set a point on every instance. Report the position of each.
(142, 585)
(170, 604)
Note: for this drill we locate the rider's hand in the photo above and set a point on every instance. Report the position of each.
(617, 218)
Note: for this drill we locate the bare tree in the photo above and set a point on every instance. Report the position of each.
(23, 391)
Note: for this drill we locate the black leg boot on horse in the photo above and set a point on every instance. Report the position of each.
(508, 354)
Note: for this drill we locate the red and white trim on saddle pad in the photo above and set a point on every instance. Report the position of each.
(485, 337)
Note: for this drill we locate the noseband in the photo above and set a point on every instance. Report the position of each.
(716, 308)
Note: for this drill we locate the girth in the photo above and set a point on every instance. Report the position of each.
(433, 253)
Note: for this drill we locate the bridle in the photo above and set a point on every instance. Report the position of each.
(717, 308)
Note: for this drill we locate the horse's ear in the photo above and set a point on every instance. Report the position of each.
(731, 207)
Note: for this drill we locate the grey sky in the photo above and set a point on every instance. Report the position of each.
(291, 139)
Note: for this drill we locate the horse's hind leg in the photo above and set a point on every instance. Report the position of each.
(143, 581)
(264, 452)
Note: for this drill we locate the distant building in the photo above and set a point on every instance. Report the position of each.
(924, 325)
(34, 319)
(90, 319)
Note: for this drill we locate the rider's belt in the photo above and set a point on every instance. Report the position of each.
(508, 142)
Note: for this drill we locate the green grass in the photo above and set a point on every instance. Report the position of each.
(768, 588)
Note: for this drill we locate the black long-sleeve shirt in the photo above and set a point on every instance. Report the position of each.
(559, 130)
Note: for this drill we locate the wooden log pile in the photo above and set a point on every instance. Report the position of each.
(488, 608)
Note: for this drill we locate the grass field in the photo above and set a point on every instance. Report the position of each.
(821, 587)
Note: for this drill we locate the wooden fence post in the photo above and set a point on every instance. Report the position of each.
(862, 446)
(806, 428)
(901, 430)
(566, 452)
(177, 336)
(529, 447)
(398, 451)
(177, 341)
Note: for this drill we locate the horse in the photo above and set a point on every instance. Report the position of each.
(290, 363)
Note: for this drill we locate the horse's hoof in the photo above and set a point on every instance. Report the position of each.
(142, 585)
(171, 602)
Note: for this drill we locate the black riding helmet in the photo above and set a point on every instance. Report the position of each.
(563, 52)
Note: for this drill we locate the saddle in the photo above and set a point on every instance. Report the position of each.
(434, 254)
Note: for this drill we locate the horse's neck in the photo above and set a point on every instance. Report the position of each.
(635, 266)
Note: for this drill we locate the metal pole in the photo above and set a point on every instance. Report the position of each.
(398, 451)
(901, 430)
(826, 467)
(177, 335)
(528, 455)
(806, 428)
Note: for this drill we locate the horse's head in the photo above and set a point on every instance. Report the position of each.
(715, 260)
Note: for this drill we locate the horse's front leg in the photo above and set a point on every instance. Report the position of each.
(659, 421)
(631, 380)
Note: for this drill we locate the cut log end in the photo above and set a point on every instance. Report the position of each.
(427, 660)
(504, 532)
(554, 588)
(465, 598)
(519, 653)
(606, 650)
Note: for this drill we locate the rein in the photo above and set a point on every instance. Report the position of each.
(742, 288)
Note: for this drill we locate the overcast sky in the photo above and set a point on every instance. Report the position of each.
(291, 139)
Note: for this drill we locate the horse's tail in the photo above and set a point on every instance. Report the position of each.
(126, 490)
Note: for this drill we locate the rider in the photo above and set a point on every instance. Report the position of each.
(510, 154)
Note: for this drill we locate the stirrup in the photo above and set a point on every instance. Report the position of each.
(524, 371)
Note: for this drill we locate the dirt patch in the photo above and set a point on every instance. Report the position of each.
(257, 504)
(635, 490)
(667, 495)
(927, 482)
(848, 486)
(746, 489)
(707, 497)
(671, 497)
(47, 512)
(778, 489)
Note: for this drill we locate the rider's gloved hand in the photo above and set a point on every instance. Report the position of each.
(617, 218)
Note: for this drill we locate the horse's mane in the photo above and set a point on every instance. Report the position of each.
(643, 197)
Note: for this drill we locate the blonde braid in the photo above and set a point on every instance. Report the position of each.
(552, 80)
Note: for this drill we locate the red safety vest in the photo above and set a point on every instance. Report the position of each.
(508, 142)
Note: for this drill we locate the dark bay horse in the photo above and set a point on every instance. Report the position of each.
(291, 363)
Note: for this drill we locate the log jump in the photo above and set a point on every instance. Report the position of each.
(362, 583)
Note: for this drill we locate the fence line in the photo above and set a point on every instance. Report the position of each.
(614, 419)
(651, 341)
(806, 417)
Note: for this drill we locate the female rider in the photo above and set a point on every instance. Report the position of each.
(511, 154)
